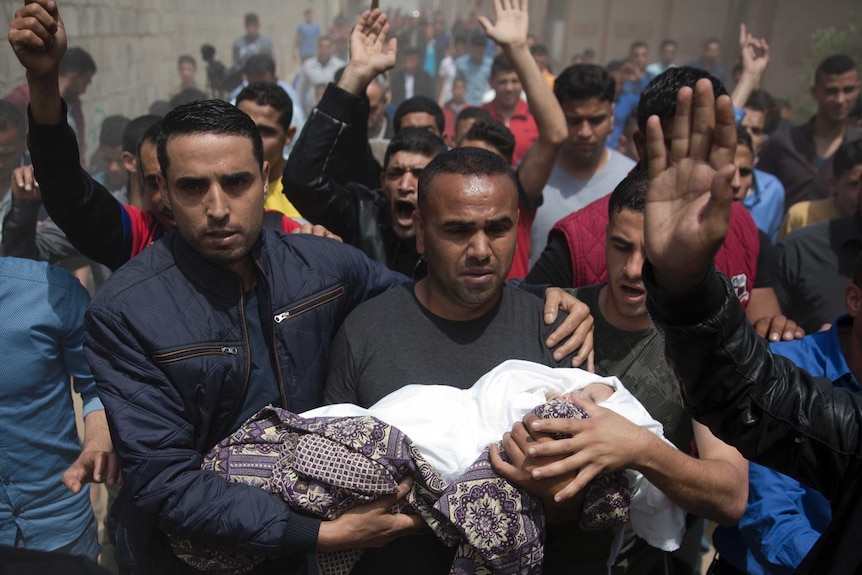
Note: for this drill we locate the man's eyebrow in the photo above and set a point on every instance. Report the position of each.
(189, 181)
(621, 240)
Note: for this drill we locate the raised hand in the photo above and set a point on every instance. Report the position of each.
(754, 52)
(370, 52)
(689, 197)
(38, 37)
(512, 23)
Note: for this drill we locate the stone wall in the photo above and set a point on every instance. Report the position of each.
(136, 44)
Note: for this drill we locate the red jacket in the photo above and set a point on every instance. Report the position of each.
(584, 232)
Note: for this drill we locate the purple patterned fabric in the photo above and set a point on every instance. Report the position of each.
(325, 466)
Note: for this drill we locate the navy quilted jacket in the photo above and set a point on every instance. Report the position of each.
(168, 344)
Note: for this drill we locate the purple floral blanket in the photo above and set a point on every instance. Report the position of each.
(324, 466)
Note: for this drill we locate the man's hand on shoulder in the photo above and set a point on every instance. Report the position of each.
(778, 328)
(576, 329)
(370, 525)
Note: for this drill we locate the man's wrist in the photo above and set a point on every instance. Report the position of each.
(355, 80)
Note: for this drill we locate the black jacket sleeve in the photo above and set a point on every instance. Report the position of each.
(775, 413)
(554, 266)
(314, 174)
(90, 216)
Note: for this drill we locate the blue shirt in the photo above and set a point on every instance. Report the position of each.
(307, 34)
(476, 77)
(784, 518)
(42, 313)
(624, 106)
(765, 203)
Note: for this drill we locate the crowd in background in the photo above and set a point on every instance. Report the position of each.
(354, 141)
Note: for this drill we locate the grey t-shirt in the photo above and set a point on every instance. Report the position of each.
(563, 195)
(392, 341)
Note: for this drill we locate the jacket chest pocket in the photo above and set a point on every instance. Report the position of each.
(205, 373)
(310, 304)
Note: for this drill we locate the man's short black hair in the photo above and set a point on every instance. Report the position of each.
(659, 97)
(414, 140)
(478, 38)
(112, 130)
(251, 18)
(151, 135)
(11, 118)
(410, 51)
(834, 65)
(187, 58)
(762, 101)
(584, 81)
(77, 59)
(418, 104)
(465, 162)
(848, 156)
(743, 138)
(207, 52)
(630, 194)
(637, 44)
(269, 94)
(501, 64)
(135, 131)
(473, 113)
(258, 65)
(207, 117)
(493, 133)
(539, 50)
(668, 42)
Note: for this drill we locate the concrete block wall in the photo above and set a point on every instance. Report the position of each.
(135, 44)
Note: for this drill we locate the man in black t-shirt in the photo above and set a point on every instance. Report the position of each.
(452, 326)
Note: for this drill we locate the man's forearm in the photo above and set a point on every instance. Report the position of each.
(46, 107)
(712, 489)
(97, 437)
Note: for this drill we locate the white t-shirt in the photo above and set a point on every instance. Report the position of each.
(563, 195)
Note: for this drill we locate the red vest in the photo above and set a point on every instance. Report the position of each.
(584, 232)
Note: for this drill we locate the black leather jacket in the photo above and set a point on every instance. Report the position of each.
(321, 179)
(775, 413)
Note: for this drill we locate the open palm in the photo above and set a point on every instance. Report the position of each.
(511, 24)
(689, 198)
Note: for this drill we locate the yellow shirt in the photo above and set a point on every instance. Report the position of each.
(276, 200)
(549, 78)
(803, 214)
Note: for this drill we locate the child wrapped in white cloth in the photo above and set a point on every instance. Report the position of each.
(452, 426)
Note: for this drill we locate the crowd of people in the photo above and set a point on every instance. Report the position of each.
(418, 205)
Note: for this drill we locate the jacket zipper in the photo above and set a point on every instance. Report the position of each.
(309, 305)
(274, 357)
(191, 352)
(248, 355)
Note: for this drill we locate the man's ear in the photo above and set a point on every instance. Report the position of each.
(853, 301)
(419, 227)
(291, 132)
(163, 191)
(130, 162)
(265, 174)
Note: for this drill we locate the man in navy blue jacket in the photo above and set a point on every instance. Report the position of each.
(206, 327)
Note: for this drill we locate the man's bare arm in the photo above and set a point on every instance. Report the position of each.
(510, 32)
